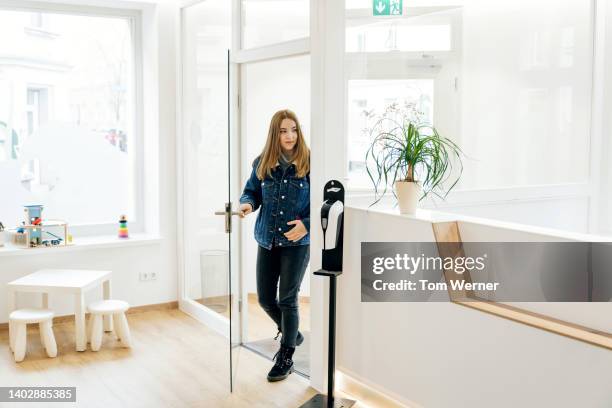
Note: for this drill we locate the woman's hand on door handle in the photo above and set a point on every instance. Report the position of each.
(245, 209)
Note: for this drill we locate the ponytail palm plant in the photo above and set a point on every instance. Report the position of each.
(405, 148)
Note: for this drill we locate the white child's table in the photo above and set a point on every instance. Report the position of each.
(64, 281)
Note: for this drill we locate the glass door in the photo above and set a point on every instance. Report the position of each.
(209, 176)
(264, 94)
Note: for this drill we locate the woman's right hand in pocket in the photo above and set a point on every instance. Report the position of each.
(245, 209)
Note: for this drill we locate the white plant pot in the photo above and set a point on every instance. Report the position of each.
(408, 194)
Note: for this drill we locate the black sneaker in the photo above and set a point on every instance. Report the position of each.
(283, 365)
(298, 340)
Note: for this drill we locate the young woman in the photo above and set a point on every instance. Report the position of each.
(279, 186)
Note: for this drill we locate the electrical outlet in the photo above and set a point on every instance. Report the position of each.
(147, 276)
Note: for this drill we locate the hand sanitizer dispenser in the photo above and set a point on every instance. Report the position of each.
(332, 220)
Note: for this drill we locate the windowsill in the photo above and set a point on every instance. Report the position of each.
(85, 243)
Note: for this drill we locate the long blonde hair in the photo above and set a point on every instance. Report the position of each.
(272, 150)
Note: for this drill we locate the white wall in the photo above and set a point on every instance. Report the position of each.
(160, 189)
(446, 355)
(126, 263)
(604, 215)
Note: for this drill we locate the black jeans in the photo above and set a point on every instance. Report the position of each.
(285, 265)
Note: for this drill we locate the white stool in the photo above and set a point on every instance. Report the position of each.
(102, 308)
(18, 321)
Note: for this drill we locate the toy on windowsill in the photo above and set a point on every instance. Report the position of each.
(55, 241)
(35, 232)
(123, 229)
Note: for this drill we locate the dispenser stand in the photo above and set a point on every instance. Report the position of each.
(320, 400)
(332, 268)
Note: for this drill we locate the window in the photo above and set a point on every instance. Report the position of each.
(395, 62)
(266, 22)
(67, 117)
(36, 109)
(391, 36)
(367, 98)
(521, 92)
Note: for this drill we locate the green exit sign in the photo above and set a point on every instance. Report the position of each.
(387, 7)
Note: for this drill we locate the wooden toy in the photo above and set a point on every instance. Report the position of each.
(35, 231)
(123, 230)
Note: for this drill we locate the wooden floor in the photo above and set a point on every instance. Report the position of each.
(259, 324)
(175, 362)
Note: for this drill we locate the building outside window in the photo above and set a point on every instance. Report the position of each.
(67, 112)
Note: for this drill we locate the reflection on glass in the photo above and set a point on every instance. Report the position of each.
(213, 281)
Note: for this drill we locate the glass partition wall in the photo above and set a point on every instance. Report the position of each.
(209, 240)
(509, 81)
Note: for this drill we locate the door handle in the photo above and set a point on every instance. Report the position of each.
(223, 213)
(228, 216)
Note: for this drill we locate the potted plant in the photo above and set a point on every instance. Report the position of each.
(408, 152)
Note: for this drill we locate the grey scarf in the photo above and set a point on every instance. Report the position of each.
(284, 162)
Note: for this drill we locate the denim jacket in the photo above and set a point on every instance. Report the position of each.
(283, 197)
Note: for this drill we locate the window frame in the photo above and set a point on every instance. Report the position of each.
(135, 102)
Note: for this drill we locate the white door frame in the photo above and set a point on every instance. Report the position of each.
(280, 50)
(328, 152)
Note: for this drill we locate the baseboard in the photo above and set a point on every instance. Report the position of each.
(368, 394)
(213, 299)
(131, 310)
